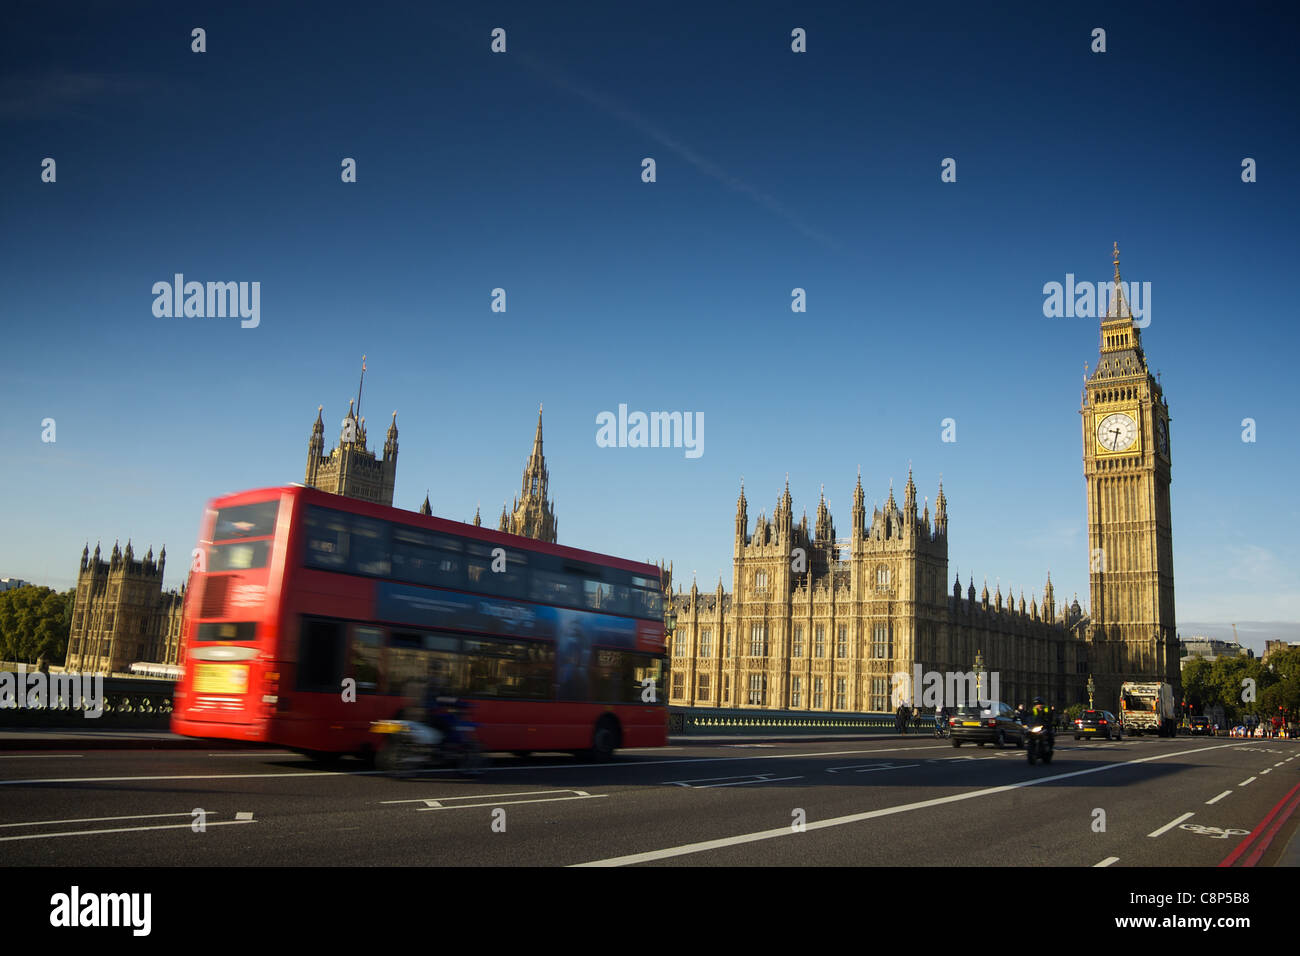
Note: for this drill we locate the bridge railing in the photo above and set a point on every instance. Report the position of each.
(720, 721)
(127, 702)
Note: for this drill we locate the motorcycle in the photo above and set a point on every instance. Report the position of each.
(941, 726)
(1039, 744)
(406, 746)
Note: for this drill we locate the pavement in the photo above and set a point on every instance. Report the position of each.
(870, 801)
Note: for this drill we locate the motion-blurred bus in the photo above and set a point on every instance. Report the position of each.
(309, 615)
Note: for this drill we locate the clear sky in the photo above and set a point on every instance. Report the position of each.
(775, 170)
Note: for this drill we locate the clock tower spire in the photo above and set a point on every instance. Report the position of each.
(1126, 468)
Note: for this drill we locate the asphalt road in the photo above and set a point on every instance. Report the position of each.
(914, 801)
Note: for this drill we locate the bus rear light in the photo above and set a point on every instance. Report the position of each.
(270, 699)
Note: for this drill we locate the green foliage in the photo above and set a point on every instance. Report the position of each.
(1282, 686)
(1223, 682)
(35, 621)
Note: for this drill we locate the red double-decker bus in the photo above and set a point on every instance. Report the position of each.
(309, 615)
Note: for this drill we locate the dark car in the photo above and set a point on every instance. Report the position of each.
(1201, 727)
(995, 724)
(1098, 723)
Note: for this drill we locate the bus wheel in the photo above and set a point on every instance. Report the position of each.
(604, 740)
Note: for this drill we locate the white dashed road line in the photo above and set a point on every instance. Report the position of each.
(785, 831)
(1106, 862)
(1246, 781)
(1170, 825)
(1218, 798)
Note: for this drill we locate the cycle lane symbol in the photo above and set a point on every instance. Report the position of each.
(1214, 833)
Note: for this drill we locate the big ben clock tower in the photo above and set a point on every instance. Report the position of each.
(1130, 545)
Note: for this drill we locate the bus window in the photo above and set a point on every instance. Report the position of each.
(370, 550)
(320, 656)
(246, 521)
(451, 563)
(326, 539)
(238, 556)
(648, 672)
(614, 677)
(478, 566)
(510, 669)
(366, 643)
(551, 587)
(407, 664)
(415, 556)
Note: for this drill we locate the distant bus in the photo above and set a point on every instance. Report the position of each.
(309, 615)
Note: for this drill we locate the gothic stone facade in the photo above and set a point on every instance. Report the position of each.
(352, 469)
(533, 513)
(832, 636)
(121, 615)
(1126, 466)
(829, 636)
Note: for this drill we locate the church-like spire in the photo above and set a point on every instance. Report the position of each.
(390, 443)
(534, 514)
(1117, 306)
(426, 508)
(825, 528)
(742, 513)
(1121, 339)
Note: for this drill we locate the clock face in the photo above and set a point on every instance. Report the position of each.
(1162, 436)
(1116, 432)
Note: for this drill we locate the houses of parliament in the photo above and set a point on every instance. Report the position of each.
(815, 621)
(818, 622)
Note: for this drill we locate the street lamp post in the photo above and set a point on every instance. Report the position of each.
(670, 626)
(1092, 689)
(979, 676)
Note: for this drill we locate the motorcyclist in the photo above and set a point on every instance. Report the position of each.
(439, 704)
(1041, 714)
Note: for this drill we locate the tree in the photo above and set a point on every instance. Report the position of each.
(35, 621)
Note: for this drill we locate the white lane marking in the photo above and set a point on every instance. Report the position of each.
(1279, 763)
(1106, 862)
(1269, 770)
(784, 831)
(259, 753)
(1170, 825)
(170, 826)
(1218, 798)
(1246, 781)
(438, 805)
(481, 796)
(869, 768)
(243, 815)
(739, 781)
(37, 756)
(132, 816)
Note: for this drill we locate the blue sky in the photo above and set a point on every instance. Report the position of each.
(775, 170)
